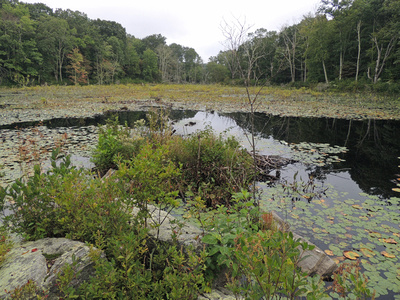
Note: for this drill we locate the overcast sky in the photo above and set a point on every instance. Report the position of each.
(194, 24)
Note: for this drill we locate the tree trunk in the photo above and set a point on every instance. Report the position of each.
(378, 60)
(380, 64)
(326, 75)
(359, 48)
(290, 46)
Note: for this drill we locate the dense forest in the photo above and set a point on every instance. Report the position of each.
(350, 43)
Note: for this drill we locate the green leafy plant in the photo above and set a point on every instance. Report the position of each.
(223, 225)
(151, 178)
(315, 289)
(67, 202)
(64, 279)
(267, 265)
(349, 280)
(29, 290)
(142, 269)
(213, 166)
(259, 260)
(115, 140)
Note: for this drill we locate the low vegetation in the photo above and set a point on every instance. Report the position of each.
(206, 175)
(5, 244)
(82, 101)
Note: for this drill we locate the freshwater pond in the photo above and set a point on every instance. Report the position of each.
(347, 205)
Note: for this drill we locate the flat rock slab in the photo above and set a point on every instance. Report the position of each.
(27, 262)
(162, 226)
(219, 294)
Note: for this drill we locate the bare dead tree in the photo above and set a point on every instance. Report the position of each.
(237, 38)
(380, 61)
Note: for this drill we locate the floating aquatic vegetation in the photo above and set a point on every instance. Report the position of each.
(316, 153)
(366, 229)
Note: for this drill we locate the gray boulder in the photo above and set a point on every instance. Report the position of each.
(27, 262)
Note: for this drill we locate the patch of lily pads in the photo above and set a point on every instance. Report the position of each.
(318, 154)
(20, 149)
(365, 228)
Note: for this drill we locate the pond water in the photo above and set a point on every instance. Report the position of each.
(353, 206)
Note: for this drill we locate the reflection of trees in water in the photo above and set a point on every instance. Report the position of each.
(373, 144)
(130, 117)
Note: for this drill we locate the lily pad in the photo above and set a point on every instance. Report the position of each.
(386, 254)
(388, 241)
(367, 252)
(339, 259)
(357, 206)
(351, 255)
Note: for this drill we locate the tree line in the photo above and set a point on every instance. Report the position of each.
(40, 45)
(348, 41)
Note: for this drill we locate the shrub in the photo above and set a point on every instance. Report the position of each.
(261, 262)
(114, 140)
(142, 269)
(151, 178)
(66, 202)
(213, 166)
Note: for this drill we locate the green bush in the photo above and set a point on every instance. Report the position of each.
(141, 269)
(260, 261)
(213, 166)
(73, 203)
(115, 139)
(268, 262)
(151, 178)
(67, 202)
(387, 88)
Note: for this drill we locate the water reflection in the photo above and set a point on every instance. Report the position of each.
(370, 164)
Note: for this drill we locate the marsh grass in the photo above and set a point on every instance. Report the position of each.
(274, 100)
